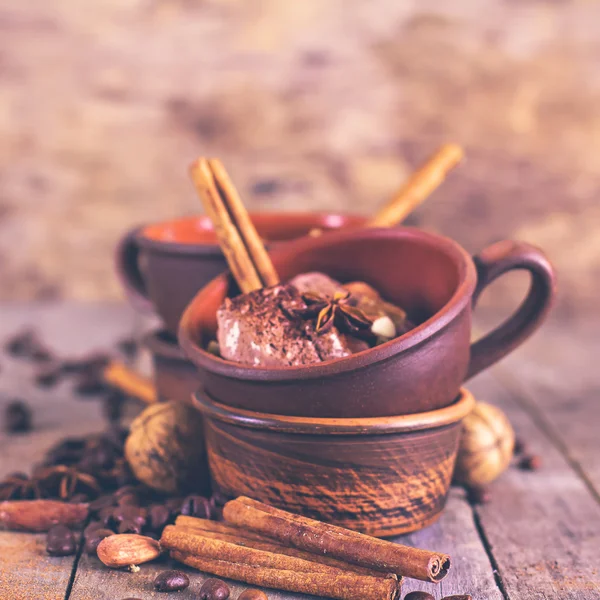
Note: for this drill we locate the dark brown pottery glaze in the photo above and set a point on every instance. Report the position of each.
(162, 266)
(175, 377)
(382, 476)
(430, 276)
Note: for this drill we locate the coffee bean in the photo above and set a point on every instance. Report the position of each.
(129, 526)
(128, 347)
(253, 594)
(112, 406)
(48, 376)
(214, 589)
(17, 417)
(101, 502)
(478, 495)
(93, 526)
(94, 538)
(159, 516)
(79, 498)
(174, 505)
(531, 462)
(91, 384)
(520, 446)
(219, 499)
(107, 517)
(129, 500)
(60, 541)
(28, 345)
(171, 581)
(196, 506)
(130, 513)
(418, 596)
(458, 597)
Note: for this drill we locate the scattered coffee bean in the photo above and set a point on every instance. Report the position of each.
(531, 462)
(17, 417)
(478, 495)
(458, 597)
(220, 499)
(79, 498)
(28, 345)
(112, 406)
(48, 376)
(101, 502)
(130, 499)
(130, 513)
(93, 526)
(196, 506)
(60, 541)
(94, 538)
(129, 526)
(128, 347)
(174, 505)
(90, 384)
(418, 596)
(159, 516)
(171, 581)
(520, 446)
(253, 594)
(214, 589)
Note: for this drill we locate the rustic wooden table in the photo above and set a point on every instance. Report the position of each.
(538, 538)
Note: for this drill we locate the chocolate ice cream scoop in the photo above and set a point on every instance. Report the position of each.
(259, 329)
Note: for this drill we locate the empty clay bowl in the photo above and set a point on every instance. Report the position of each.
(430, 276)
(175, 377)
(383, 476)
(162, 266)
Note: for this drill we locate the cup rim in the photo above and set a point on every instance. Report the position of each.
(433, 419)
(421, 333)
(259, 218)
(162, 348)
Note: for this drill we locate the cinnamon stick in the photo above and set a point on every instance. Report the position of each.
(239, 214)
(332, 584)
(245, 253)
(235, 535)
(420, 185)
(127, 380)
(340, 543)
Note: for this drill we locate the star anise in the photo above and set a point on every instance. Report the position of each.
(64, 482)
(20, 487)
(337, 310)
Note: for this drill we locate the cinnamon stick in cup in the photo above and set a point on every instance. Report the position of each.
(324, 539)
(245, 253)
(420, 185)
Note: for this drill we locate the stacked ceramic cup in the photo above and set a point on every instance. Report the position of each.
(368, 441)
(163, 265)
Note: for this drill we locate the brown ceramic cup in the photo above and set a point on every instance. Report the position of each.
(382, 476)
(162, 266)
(430, 276)
(175, 377)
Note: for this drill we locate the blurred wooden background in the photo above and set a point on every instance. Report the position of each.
(312, 104)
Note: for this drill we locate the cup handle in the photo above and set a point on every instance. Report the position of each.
(493, 261)
(128, 270)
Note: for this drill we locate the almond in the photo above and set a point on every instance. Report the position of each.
(127, 549)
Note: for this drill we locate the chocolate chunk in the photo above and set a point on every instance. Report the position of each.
(60, 541)
(94, 538)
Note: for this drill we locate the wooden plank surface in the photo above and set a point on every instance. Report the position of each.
(541, 530)
(542, 527)
(26, 571)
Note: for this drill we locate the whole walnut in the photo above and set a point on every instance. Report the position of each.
(165, 448)
(486, 446)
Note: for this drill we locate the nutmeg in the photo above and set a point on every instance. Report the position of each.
(486, 446)
(165, 448)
